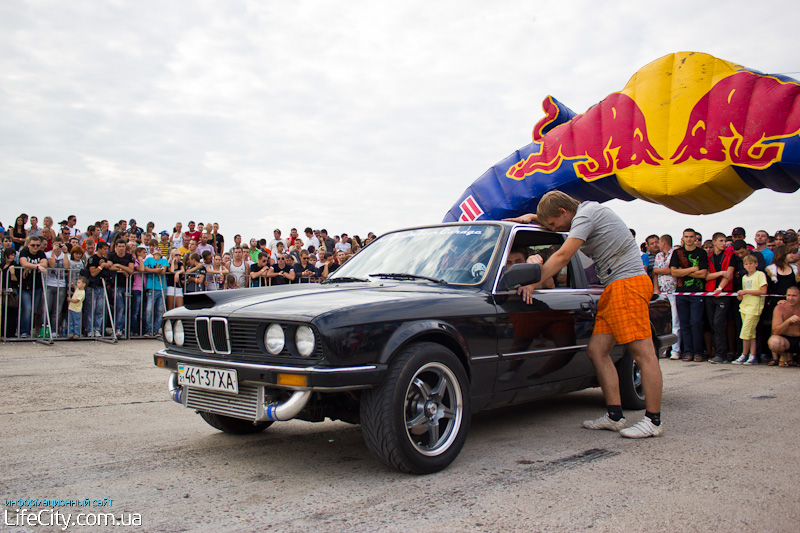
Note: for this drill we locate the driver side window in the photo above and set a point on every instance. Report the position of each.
(529, 244)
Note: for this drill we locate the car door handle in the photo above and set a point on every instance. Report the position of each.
(586, 306)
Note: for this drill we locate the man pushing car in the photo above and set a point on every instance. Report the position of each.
(622, 311)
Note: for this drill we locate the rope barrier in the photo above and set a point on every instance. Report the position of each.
(714, 293)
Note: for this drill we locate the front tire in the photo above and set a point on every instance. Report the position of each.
(234, 426)
(417, 420)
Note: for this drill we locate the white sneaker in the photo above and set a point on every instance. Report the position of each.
(605, 422)
(675, 356)
(643, 429)
(740, 360)
(752, 360)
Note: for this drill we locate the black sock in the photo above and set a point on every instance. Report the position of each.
(615, 412)
(655, 418)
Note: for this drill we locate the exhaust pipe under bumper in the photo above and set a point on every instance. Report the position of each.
(289, 409)
(175, 390)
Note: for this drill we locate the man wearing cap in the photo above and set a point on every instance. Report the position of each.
(135, 230)
(738, 234)
(163, 244)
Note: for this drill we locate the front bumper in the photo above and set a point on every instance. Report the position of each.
(318, 378)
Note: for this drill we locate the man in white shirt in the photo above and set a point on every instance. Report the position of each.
(343, 245)
(311, 239)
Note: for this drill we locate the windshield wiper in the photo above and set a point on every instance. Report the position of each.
(400, 275)
(345, 280)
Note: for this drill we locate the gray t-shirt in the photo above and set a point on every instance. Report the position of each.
(608, 241)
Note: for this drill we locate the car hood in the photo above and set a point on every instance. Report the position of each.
(307, 302)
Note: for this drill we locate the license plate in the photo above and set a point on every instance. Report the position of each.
(201, 377)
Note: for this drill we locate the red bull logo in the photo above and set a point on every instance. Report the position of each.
(737, 122)
(610, 136)
(689, 131)
(723, 117)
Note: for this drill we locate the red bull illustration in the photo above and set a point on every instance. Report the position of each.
(689, 131)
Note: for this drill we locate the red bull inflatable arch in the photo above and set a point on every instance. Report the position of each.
(689, 131)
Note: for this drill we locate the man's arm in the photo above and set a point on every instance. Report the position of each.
(727, 276)
(699, 274)
(756, 292)
(95, 270)
(552, 266)
(682, 272)
(529, 218)
(780, 325)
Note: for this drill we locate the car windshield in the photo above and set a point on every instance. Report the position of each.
(458, 254)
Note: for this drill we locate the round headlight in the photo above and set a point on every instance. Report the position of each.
(177, 332)
(168, 332)
(274, 339)
(304, 338)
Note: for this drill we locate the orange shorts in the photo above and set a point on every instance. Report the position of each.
(624, 309)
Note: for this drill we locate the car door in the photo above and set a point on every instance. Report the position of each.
(543, 342)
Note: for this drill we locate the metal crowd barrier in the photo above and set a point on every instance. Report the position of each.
(46, 318)
(107, 310)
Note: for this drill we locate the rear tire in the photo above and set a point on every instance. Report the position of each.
(234, 426)
(417, 420)
(630, 383)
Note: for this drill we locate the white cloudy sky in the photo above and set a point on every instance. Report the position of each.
(355, 116)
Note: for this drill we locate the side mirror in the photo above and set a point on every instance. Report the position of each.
(520, 274)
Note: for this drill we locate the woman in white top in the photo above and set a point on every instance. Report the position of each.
(177, 237)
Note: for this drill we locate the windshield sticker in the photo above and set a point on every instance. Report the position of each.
(478, 270)
(428, 233)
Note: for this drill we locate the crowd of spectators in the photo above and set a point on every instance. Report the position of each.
(144, 271)
(732, 301)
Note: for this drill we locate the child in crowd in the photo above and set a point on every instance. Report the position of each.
(231, 282)
(75, 307)
(754, 286)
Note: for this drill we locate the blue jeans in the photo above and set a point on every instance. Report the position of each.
(26, 301)
(690, 315)
(96, 302)
(136, 302)
(153, 310)
(119, 308)
(74, 323)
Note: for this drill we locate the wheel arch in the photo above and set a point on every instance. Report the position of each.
(435, 331)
